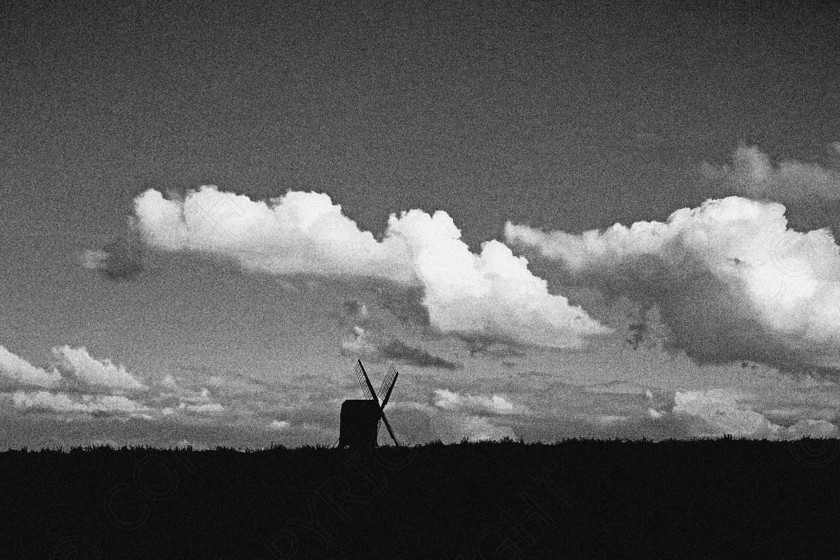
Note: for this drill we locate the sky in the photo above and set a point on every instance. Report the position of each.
(557, 219)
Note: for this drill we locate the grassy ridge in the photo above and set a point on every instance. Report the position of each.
(698, 499)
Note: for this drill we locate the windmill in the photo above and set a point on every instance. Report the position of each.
(360, 418)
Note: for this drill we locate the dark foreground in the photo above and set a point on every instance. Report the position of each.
(701, 499)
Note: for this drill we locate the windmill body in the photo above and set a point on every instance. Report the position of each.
(360, 418)
(359, 423)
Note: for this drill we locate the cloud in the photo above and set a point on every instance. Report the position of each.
(298, 233)
(730, 280)
(121, 259)
(73, 368)
(428, 423)
(479, 344)
(77, 365)
(720, 409)
(21, 372)
(473, 428)
(279, 425)
(723, 414)
(363, 345)
(495, 404)
(405, 304)
(87, 404)
(812, 429)
(752, 173)
(192, 397)
(360, 345)
(234, 384)
(398, 350)
(492, 293)
(196, 401)
(82, 384)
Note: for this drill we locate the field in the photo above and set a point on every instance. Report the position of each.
(579, 498)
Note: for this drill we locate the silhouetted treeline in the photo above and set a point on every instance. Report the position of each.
(577, 498)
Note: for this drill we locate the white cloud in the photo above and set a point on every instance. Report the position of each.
(478, 428)
(279, 425)
(296, 233)
(496, 404)
(19, 371)
(752, 173)
(723, 412)
(454, 427)
(89, 404)
(492, 294)
(813, 429)
(77, 364)
(730, 280)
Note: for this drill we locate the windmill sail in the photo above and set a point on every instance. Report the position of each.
(364, 381)
(387, 384)
(390, 431)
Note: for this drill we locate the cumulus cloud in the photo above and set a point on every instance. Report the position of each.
(20, 372)
(495, 404)
(76, 365)
(721, 410)
(724, 414)
(87, 404)
(298, 233)
(730, 280)
(451, 426)
(73, 368)
(753, 173)
(811, 428)
(492, 293)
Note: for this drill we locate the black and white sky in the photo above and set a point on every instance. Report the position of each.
(557, 219)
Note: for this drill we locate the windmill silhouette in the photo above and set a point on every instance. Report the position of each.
(360, 418)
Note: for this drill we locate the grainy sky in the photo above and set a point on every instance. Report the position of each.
(553, 116)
